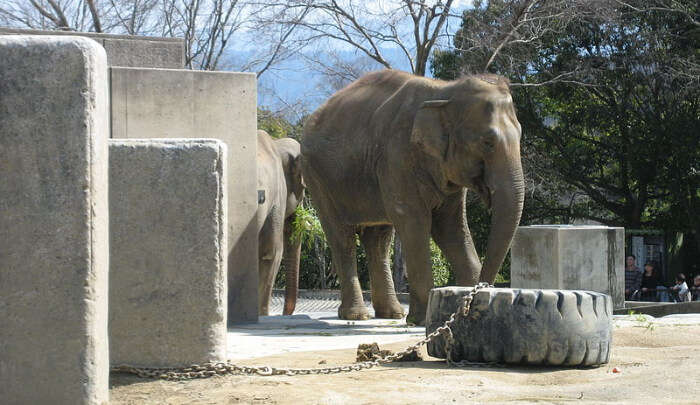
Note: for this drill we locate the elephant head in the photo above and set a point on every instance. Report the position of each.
(289, 151)
(473, 133)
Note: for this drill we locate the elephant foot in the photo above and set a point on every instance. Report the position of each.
(358, 313)
(416, 317)
(391, 311)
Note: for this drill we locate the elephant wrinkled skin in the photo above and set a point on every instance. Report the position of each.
(279, 175)
(393, 150)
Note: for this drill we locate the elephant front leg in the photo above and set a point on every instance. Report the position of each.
(376, 240)
(450, 231)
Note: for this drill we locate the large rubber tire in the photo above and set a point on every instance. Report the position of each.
(524, 326)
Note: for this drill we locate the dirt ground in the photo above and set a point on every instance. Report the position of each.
(660, 364)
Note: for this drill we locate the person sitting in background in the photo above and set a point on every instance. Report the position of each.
(681, 288)
(650, 280)
(695, 289)
(631, 264)
(633, 278)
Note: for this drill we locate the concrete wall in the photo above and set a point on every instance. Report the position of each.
(53, 221)
(570, 257)
(126, 50)
(167, 293)
(161, 103)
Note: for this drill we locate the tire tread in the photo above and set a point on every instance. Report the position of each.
(526, 326)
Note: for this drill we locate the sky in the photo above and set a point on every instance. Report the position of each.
(294, 84)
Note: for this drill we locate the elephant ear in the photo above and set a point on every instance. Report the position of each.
(428, 132)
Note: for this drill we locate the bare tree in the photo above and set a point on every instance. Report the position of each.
(275, 30)
(135, 17)
(48, 14)
(371, 27)
(337, 68)
(518, 26)
(208, 27)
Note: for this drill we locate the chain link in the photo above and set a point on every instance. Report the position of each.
(207, 370)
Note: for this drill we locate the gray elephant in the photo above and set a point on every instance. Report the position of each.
(279, 175)
(393, 150)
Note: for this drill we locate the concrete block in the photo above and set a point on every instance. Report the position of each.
(160, 103)
(167, 296)
(570, 257)
(54, 241)
(127, 50)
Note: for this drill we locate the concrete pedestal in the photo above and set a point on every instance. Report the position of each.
(570, 257)
(162, 103)
(167, 294)
(53, 221)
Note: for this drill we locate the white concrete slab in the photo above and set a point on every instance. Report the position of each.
(314, 331)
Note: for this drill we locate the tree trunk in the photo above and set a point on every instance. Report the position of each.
(399, 267)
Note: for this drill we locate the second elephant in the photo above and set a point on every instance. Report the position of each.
(279, 176)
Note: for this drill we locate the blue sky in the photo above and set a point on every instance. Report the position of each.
(294, 82)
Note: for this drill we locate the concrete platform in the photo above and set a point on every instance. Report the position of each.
(321, 330)
(315, 327)
(659, 309)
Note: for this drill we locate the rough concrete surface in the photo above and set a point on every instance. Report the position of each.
(161, 103)
(652, 360)
(53, 221)
(569, 257)
(167, 295)
(127, 50)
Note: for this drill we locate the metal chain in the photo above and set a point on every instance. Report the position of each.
(207, 370)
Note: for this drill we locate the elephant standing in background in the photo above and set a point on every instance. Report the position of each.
(279, 175)
(393, 150)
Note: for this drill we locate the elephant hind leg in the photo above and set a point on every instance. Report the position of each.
(341, 239)
(376, 240)
(342, 242)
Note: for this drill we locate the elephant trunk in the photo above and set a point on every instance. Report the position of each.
(506, 207)
(290, 259)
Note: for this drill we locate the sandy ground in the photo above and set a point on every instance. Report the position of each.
(657, 361)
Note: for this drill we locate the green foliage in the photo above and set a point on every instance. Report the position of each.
(277, 126)
(442, 274)
(306, 225)
(617, 140)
